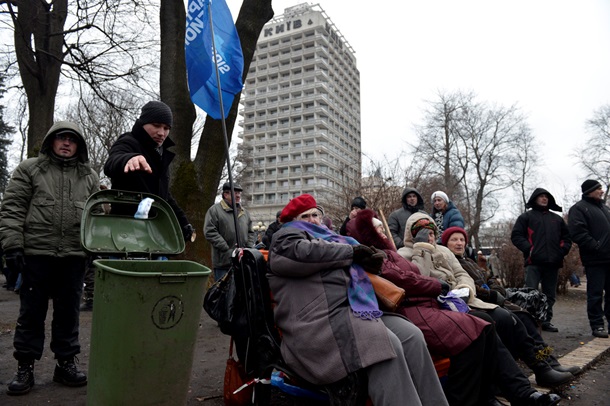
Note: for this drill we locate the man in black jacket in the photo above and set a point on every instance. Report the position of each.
(589, 225)
(139, 160)
(544, 240)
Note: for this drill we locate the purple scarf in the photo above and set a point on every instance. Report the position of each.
(360, 291)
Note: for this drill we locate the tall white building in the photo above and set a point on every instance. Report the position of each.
(301, 113)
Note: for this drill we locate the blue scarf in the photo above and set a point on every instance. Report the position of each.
(360, 291)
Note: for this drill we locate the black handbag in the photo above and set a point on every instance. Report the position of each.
(224, 303)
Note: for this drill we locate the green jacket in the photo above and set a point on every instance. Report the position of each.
(44, 200)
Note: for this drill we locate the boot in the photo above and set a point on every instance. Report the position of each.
(66, 373)
(554, 363)
(24, 379)
(547, 376)
(543, 399)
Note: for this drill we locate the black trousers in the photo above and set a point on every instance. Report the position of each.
(58, 279)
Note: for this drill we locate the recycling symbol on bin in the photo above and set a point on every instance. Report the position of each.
(168, 312)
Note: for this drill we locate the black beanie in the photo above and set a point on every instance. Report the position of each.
(156, 112)
(589, 186)
(359, 202)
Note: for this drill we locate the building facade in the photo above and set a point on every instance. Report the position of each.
(301, 113)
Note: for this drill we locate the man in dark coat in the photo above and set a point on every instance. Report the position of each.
(139, 160)
(412, 202)
(544, 240)
(589, 225)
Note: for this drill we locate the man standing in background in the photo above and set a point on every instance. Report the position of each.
(589, 225)
(544, 240)
(219, 229)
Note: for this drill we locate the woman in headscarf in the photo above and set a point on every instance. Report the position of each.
(478, 358)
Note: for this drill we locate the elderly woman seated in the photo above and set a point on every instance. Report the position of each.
(330, 320)
(479, 360)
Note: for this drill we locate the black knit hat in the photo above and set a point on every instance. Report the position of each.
(359, 202)
(156, 112)
(589, 186)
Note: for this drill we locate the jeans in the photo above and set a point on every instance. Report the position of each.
(547, 277)
(598, 304)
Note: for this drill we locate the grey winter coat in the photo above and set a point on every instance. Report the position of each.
(322, 340)
(219, 230)
(44, 200)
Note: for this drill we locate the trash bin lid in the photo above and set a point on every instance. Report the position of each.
(108, 226)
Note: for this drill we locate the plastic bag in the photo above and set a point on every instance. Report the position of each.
(453, 303)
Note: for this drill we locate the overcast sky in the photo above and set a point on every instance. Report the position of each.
(550, 57)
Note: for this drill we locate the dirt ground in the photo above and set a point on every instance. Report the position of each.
(212, 350)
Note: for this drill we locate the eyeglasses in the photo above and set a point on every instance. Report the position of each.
(66, 137)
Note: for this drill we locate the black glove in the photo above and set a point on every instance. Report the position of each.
(444, 287)
(187, 232)
(15, 260)
(369, 258)
(422, 235)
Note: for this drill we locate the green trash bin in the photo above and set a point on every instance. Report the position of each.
(146, 312)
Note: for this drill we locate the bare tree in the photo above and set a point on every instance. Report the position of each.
(91, 41)
(472, 147)
(594, 156)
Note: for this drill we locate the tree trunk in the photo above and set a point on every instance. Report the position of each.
(40, 24)
(195, 183)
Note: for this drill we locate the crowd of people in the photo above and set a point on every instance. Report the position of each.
(313, 268)
(326, 308)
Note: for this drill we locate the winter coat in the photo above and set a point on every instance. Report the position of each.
(398, 218)
(437, 261)
(44, 200)
(589, 226)
(273, 227)
(451, 217)
(542, 236)
(446, 332)
(322, 340)
(495, 294)
(129, 145)
(219, 230)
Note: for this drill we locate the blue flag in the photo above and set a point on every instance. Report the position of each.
(201, 72)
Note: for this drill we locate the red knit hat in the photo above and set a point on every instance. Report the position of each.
(452, 230)
(297, 206)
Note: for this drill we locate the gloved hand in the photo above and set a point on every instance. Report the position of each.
(370, 258)
(444, 287)
(422, 235)
(187, 232)
(15, 260)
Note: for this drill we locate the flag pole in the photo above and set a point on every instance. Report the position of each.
(240, 244)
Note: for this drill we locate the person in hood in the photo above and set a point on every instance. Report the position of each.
(544, 240)
(139, 161)
(412, 202)
(40, 235)
(589, 225)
